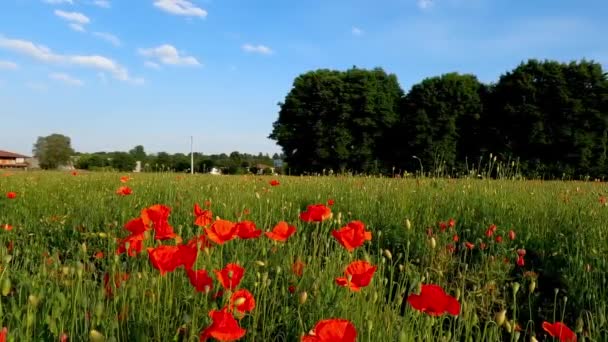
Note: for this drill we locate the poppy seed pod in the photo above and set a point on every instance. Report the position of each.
(408, 224)
(96, 336)
(302, 297)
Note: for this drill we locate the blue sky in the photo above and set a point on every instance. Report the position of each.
(112, 74)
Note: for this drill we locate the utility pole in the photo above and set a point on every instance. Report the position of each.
(191, 155)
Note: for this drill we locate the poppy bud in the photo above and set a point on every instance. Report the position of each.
(388, 254)
(302, 297)
(83, 247)
(103, 235)
(33, 300)
(458, 294)
(96, 336)
(6, 287)
(433, 243)
(240, 301)
(533, 339)
(515, 288)
(375, 297)
(507, 326)
(260, 263)
(532, 286)
(501, 317)
(408, 224)
(401, 267)
(279, 269)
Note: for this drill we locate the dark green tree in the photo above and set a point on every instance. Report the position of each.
(139, 153)
(122, 161)
(53, 151)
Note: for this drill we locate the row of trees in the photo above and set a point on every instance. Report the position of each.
(234, 163)
(550, 118)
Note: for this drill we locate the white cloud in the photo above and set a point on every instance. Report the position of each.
(102, 3)
(424, 4)
(67, 79)
(44, 54)
(77, 27)
(168, 54)
(151, 65)
(59, 2)
(73, 17)
(261, 49)
(110, 38)
(7, 65)
(356, 31)
(180, 7)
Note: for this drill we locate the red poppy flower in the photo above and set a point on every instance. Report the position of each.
(521, 252)
(207, 203)
(559, 330)
(203, 217)
(124, 179)
(450, 248)
(7, 227)
(498, 239)
(281, 232)
(99, 255)
(443, 226)
(201, 280)
(223, 328)
(298, 268)
(455, 238)
(135, 242)
(230, 276)
(242, 300)
(291, 289)
(332, 330)
(165, 258)
(274, 182)
(511, 235)
(520, 261)
(74, 173)
(3, 334)
(603, 200)
(352, 236)
(483, 246)
(331, 202)
(491, 230)
(136, 226)
(451, 223)
(124, 191)
(119, 278)
(11, 195)
(187, 254)
(221, 231)
(157, 217)
(247, 230)
(469, 245)
(358, 274)
(434, 301)
(315, 213)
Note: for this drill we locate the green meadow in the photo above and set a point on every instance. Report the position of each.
(52, 271)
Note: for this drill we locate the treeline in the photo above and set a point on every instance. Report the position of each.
(234, 163)
(545, 118)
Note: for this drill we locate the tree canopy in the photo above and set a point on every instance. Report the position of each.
(53, 151)
(552, 117)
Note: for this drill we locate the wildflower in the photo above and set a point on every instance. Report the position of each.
(603, 200)
(274, 182)
(7, 227)
(357, 275)
(512, 235)
(281, 232)
(316, 213)
(491, 230)
(242, 300)
(3, 334)
(298, 268)
(455, 238)
(157, 216)
(434, 301)
(200, 242)
(74, 173)
(125, 179)
(136, 226)
(247, 230)
(98, 255)
(498, 239)
(520, 257)
(469, 245)
(332, 330)
(450, 248)
(221, 231)
(200, 280)
(165, 258)
(443, 226)
(124, 191)
(352, 236)
(230, 276)
(11, 195)
(119, 278)
(135, 242)
(291, 289)
(203, 217)
(451, 223)
(559, 330)
(223, 328)
(330, 202)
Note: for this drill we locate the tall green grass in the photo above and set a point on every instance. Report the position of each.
(52, 285)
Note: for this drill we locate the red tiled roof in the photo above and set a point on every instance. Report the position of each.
(6, 154)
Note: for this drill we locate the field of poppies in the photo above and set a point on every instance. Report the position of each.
(166, 257)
